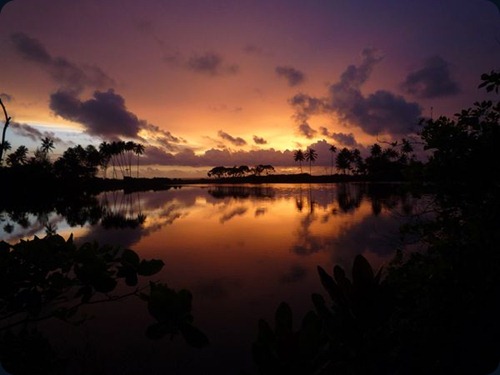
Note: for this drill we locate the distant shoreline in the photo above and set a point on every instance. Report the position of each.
(160, 183)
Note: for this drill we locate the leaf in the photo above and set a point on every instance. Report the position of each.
(362, 273)
(319, 304)
(150, 267)
(331, 286)
(284, 320)
(131, 257)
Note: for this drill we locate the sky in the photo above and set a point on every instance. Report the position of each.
(204, 83)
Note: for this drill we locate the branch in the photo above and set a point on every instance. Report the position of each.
(7, 122)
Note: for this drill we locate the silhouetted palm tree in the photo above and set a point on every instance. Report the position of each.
(47, 145)
(333, 150)
(344, 160)
(18, 157)
(311, 155)
(298, 156)
(138, 150)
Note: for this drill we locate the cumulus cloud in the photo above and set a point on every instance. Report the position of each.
(259, 140)
(432, 80)
(237, 141)
(105, 114)
(210, 63)
(347, 140)
(306, 106)
(293, 76)
(212, 157)
(378, 112)
(71, 76)
(306, 130)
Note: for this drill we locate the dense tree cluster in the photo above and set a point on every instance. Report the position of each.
(241, 171)
(77, 163)
(394, 162)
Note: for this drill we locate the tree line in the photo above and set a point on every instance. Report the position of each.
(240, 171)
(393, 161)
(78, 162)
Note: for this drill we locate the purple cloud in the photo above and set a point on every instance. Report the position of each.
(105, 114)
(293, 76)
(211, 64)
(259, 140)
(237, 141)
(70, 76)
(432, 80)
(379, 112)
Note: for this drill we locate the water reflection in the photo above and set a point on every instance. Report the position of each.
(239, 249)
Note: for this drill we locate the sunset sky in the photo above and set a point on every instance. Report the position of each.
(205, 83)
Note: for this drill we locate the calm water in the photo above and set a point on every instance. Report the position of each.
(240, 250)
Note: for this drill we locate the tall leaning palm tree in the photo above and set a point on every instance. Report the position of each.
(298, 156)
(311, 155)
(138, 150)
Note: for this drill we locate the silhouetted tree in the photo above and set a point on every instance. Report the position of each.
(138, 150)
(332, 150)
(343, 160)
(18, 157)
(310, 155)
(6, 123)
(298, 156)
(47, 145)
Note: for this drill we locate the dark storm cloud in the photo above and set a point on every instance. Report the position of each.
(379, 112)
(211, 63)
(306, 130)
(259, 140)
(62, 71)
(432, 80)
(31, 49)
(237, 141)
(105, 114)
(293, 76)
(33, 133)
(343, 139)
(306, 106)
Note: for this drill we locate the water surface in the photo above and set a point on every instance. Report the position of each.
(240, 250)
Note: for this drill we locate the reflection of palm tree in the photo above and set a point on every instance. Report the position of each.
(298, 156)
(311, 155)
